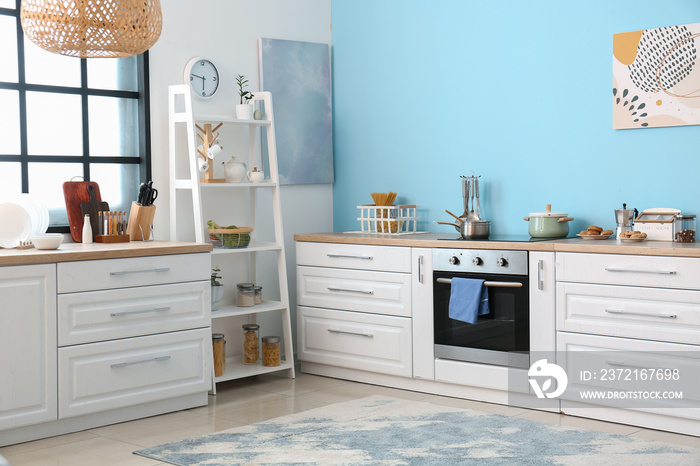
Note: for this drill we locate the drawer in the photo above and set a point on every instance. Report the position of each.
(107, 315)
(645, 313)
(613, 269)
(355, 290)
(354, 256)
(115, 374)
(610, 366)
(355, 340)
(134, 271)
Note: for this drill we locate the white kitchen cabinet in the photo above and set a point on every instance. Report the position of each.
(94, 342)
(114, 374)
(373, 292)
(186, 193)
(422, 312)
(631, 312)
(354, 307)
(355, 340)
(541, 271)
(27, 345)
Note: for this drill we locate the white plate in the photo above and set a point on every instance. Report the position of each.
(631, 240)
(15, 225)
(593, 236)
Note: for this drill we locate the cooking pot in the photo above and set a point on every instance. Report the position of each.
(471, 229)
(548, 224)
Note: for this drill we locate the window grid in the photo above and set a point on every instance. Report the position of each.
(143, 109)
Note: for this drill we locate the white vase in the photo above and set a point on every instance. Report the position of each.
(244, 111)
(216, 293)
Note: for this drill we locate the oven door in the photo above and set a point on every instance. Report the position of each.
(501, 337)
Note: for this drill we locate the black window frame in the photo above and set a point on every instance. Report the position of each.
(141, 95)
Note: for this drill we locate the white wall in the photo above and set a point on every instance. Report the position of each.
(226, 32)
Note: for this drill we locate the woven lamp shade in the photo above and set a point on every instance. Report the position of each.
(92, 28)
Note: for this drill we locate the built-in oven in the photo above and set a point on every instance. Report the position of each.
(500, 337)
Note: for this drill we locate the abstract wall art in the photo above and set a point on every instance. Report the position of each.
(298, 74)
(656, 77)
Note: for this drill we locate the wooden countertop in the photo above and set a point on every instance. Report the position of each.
(69, 252)
(441, 240)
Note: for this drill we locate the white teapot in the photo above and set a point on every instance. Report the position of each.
(255, 176)
(234, 171)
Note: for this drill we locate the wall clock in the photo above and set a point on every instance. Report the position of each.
(203, 77)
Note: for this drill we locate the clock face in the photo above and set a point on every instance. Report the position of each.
(203, 77)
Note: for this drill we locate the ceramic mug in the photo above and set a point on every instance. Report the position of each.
(255, 176)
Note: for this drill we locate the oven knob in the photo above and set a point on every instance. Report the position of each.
(502, 262)
(454, 260)
(477, 261)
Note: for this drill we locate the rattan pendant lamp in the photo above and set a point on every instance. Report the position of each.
(92, 28)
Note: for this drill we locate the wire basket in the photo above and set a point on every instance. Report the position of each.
(230, 238)
(390, 219)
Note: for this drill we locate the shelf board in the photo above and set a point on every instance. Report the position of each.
(234, 369)
(229, 119)
(230, 309)
(253, 247)
(262, 184)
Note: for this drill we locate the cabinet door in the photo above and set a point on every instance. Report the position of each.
(27, 345)
(542, 303)
(422, 304)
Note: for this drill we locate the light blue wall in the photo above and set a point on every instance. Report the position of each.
(518, 92)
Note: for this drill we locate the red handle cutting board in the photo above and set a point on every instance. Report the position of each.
(76, 192)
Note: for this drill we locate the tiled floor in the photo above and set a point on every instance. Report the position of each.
(253, 400)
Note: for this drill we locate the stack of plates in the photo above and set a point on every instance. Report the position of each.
(21, 219)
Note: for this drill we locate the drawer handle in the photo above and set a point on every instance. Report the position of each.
(124, 364)
(126, 313)
(333, 288)
(622, 269)
(127, 272)
(362, 334)
(632, 366)
(493, 284)
(350, 256)
(620, 311)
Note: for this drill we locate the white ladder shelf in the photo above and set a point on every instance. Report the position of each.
(181, 113)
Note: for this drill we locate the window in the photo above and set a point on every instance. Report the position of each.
(64, 118)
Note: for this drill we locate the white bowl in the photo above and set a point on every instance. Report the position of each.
(47, 240)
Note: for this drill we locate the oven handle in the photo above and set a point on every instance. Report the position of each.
(492, 284)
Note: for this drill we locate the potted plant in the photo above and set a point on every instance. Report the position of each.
(217, 288)
(244, 109)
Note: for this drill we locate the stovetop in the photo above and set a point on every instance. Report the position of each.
(503, 238)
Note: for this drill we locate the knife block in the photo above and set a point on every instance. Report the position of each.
(140, 222)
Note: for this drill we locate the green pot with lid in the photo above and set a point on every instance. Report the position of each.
(548, 224)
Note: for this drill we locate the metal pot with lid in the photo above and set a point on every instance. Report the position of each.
(548, 224)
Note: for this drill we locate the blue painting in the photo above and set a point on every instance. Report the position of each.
(298, 75)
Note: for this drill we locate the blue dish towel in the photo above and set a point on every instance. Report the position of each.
(469, 299)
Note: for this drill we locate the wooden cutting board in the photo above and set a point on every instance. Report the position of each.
(91, 208)
(75, 193)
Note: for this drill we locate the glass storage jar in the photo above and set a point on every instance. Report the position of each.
(251, 345)
(684, 228)
(245, 296)
(271, 351)
(258, 294)
(219, 349)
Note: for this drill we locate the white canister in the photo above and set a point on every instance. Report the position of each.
(255, 176)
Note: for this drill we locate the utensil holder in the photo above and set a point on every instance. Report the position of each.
(140, 224)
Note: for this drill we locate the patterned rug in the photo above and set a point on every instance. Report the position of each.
(388, 431)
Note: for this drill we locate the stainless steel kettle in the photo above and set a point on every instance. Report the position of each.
(625, 219)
